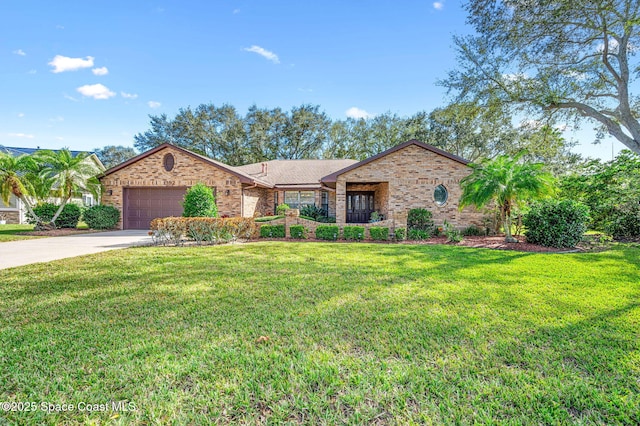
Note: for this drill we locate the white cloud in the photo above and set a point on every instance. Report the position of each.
(128, 95)
(71, 98)
(19, 52)
(154, 104)
(355, 112)
(32, 72)
(59, 27)
(301, 89)
(96, 91)
(20, 135)
(264, 53)
(236, 11)
(59, 138)
(438, 5)
(63, 63)
(57, 119)
(21, 114)
(100, 71)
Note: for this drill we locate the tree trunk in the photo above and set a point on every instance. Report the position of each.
(507, 230)
(55, 216)
(29, 209)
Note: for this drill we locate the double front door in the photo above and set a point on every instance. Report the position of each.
(359, 206)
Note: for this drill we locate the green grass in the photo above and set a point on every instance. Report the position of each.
(268, 218)
(10, 232)
(358, 333)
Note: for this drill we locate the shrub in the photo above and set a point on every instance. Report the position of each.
(556, 223)
(379, 233)
(327, 219)
(175, 230)
(375, 217)
(327, 232)
(472, 230)
(199, 202)
(102, 217)
(69, 217)
(625, 222)
(353, 233)
(400, 234)
(272, 231)
(452, 233)
(313, 211)
(299, 232)
(418, 235)
(421, 220)
(282, 209)
(267, 218)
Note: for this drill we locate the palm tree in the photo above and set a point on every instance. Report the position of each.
(14, 179)
(71, 173)
(507, 182)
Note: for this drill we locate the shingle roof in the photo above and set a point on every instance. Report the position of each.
(292, 173)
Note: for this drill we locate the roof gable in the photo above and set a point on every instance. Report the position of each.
(243, 177)
(333, 176)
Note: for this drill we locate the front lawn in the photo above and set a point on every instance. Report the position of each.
(322, 333)
(12, 232)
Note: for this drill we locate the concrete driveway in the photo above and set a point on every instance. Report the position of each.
(18, 253)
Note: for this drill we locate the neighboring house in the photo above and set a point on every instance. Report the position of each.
(410, 175)
(15, 212)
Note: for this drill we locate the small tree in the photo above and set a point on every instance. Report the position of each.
(199, 202)
(14, 173)
(507, 182)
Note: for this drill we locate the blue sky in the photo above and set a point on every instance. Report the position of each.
(85, 74)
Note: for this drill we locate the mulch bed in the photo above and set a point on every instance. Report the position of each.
(61, 232)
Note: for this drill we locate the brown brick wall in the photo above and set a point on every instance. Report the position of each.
(408, 178)
(187, 171)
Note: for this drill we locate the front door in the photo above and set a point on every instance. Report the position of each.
(359, 206)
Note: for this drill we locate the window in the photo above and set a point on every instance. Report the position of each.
(87, 200)
(299, 199)
(440, 195)
(325, 202)
(167, 162)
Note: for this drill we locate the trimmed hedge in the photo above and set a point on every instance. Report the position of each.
(298, 232)
(272, 231)
(353, 233)
(328, 232)
(210, 230)
(282, 209)
(421, 220)
(379, 233)
(558, 224)
(69, 217)
(101, 217)
(400, 234)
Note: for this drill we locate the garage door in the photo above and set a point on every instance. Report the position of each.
(141, 205)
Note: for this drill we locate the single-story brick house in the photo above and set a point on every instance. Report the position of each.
(410, 175)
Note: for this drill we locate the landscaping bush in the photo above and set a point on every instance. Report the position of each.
(268, 218)
(199, 202)
(175, 230)
(272, 231)
(420, 220)
(313, 211)
(379, 233)
(472, 231)
(353, 233)
(69, 217)
(101, 217)
(556, 223)
(327, 219)
(625, 222)
(452, 233)
(282, 209)
(298, 232)
(400, 234)
(418, 235)
(327, 232)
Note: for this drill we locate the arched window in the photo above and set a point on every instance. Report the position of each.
(440, 195)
